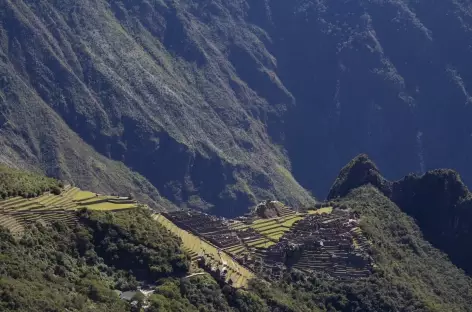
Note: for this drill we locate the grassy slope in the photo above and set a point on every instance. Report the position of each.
(58, 268)
(77, 269)
(438, 200)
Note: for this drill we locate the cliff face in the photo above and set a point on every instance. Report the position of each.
(439, 202)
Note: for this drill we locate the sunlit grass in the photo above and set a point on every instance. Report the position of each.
(200, 246)
(110, 206)
(83, 195)
(264, 244)
(291, 222)
(321, 210)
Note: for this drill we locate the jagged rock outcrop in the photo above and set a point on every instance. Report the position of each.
(269, 209)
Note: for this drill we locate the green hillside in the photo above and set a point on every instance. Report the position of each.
(84, 265)
(59, 268)
(165, 122)
(438, 200)
(30, 198)
(408, 265)
(14, 182)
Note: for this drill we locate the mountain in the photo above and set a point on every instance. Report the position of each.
(438, 200)
(217, 104)
(150, 86)
(87, 263)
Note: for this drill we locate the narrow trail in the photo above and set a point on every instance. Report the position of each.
(195, 274)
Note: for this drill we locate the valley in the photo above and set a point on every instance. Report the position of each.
(216, 105)
(208, 156)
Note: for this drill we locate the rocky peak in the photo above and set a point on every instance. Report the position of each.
(438, 200)
(360, 171)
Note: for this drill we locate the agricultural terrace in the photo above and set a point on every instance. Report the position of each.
(236, 274)
(16, 212)
(273, 229)
(321, 210)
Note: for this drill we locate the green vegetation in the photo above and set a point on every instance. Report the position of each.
(432, 198)
(202, 293)
(78, 266)
(410, 274)
(263, 244)
(18, 212)
(131, 240)
(259, 241)
(263, 223)
(15, 182)
(291, 222)
(263, 228)
(202, 247)
(108, 90)
(405, 261)
(58, 268)
(275, 236)
(321, 210)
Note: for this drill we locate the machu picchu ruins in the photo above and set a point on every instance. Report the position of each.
(266, 242)
(324, 240)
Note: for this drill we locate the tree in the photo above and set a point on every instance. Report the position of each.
(139, 298)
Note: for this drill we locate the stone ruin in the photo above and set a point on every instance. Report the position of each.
(331, 244)
(270, 209)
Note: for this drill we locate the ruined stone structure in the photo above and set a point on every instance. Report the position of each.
(327, 243)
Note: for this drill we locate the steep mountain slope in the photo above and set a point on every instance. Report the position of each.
(33, 136)
(438, 200)
(406, 261)
(151, 84)
(389, 78)
(216, 102)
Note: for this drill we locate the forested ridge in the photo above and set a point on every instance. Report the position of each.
(438, 200)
